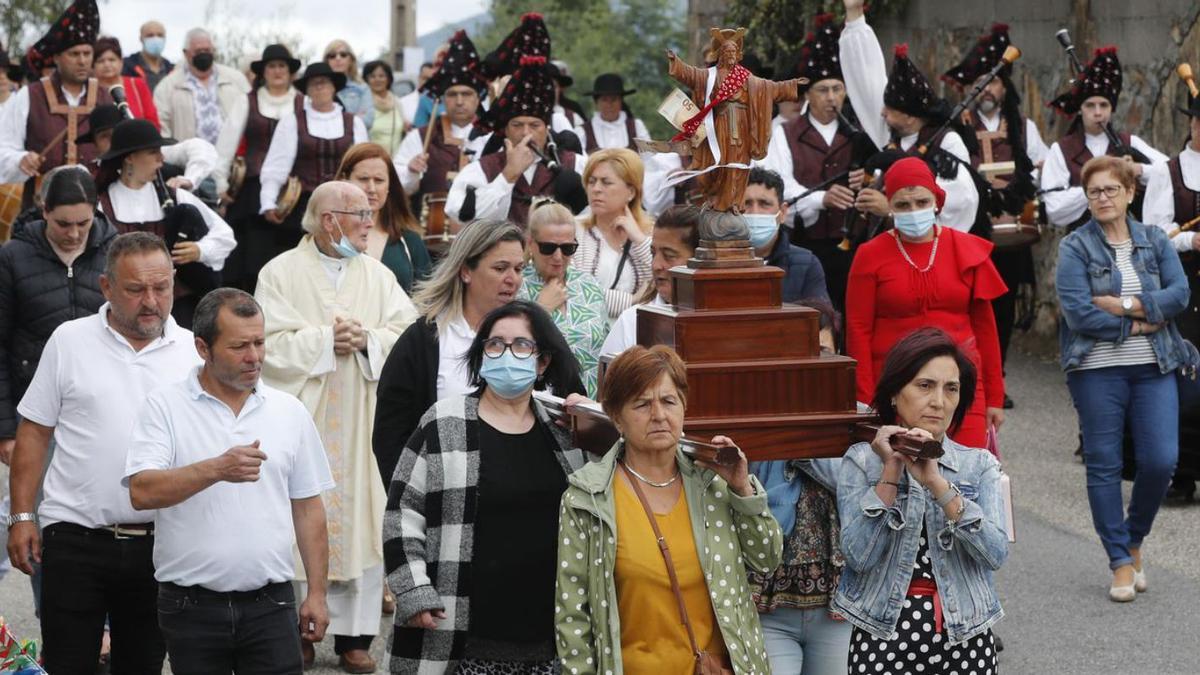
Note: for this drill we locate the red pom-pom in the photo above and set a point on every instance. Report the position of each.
(1111, 49)
(533, 60)
(531, 16)
(999, 28)
(901, 50)
(822, 19)
(810, 38)
(460, 34)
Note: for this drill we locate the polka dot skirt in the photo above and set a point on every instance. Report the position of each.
(916, 646)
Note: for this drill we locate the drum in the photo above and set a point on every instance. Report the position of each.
(10, 207)
(289, 196)
(1025, 232)
(433, 215)
(237, 177)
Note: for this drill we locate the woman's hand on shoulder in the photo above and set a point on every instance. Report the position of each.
(736, 475)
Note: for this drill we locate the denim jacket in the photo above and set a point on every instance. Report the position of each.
(1087, 268)
(880, 542)
(781, 479)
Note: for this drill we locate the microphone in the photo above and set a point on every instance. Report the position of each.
(117, 92)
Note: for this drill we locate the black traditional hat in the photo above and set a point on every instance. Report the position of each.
(275, 53)
(133, 135)
(982, 58)
(529, 93)
(907, 89)
(819, 58)
(558, 70)
(458, 66)
(320, 69)
(14, 71)
(1102, 77)
(609, 84)
(103, 116)
(78, 25)
(530, 38)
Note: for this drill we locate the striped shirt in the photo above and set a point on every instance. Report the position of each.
(1136, 349)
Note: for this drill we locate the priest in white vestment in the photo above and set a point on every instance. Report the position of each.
(332, 317)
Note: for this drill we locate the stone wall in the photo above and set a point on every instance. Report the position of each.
(1152, 36)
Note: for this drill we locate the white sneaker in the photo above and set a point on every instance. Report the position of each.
(1122, 593)
(1139, 580)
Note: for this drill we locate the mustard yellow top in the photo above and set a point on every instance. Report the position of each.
(653, 638)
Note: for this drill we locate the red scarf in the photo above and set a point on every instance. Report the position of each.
(731, 85)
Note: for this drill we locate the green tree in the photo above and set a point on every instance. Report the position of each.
(629, 37)
(24, 21)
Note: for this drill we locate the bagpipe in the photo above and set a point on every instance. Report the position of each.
(567, 188)
(181, 222)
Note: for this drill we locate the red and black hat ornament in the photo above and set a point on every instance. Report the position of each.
(529, 38)
(1101, 77)
(78, 25)
(459, 65)
(529, 93)
(819, 58)
(982, 58)
(907, 89)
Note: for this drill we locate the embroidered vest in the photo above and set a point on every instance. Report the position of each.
(814, 162)
(317, 159)
(523, 190)
(259, 130)
(590, 133)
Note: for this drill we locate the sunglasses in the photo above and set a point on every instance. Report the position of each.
(341, 55)
(548, 248)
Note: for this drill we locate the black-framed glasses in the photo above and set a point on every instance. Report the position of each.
(365, 214)
(522, 348)
(549, 247)
(1110, 191)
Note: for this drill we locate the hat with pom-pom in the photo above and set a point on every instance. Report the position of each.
(982, 58)
(528, 93)
(907, 89)
(529, 38)
(819, 59)
(458, 65)
(1102, 77)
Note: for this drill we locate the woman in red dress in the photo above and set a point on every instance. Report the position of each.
(921, 274)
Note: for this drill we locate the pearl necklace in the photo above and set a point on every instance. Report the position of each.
(932, 253)
(647, 481)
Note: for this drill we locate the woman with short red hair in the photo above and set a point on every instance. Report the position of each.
(922, 274)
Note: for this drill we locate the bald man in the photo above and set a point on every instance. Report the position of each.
(149, 63)
(333, 315)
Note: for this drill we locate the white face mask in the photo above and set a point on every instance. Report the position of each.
(914, 224)
(762, 226)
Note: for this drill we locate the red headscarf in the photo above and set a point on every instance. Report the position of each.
(912, 172)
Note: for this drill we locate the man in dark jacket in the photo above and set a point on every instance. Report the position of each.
(149, 63)
(762, 207)
(39, 291)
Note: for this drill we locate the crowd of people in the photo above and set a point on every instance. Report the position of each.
(270, 341)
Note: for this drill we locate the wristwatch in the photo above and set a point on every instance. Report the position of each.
(1127, 304)
(21, 518)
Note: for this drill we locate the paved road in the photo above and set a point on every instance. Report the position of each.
(1059, 620)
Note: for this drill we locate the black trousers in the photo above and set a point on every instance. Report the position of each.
(248, 633)
(87, 575)
(834, 262)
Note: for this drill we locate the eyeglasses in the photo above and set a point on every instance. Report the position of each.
(1110, 191)
(365, 214)
(548, 248)
(340, 55)
(521, 348)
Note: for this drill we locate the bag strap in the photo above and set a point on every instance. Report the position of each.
(620, 265)
(666, 553)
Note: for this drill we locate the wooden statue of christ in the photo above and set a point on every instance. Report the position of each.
(740, 106)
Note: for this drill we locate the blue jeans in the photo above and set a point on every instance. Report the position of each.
(805, 641)
(1105, 398)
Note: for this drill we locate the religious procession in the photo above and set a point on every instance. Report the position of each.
(489, 385)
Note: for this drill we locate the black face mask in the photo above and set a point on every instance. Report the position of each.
(202, 62)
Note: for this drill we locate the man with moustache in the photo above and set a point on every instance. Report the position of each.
(1003, 135)
(42, 123)
(222, 455)
(94, 547)
(814, 147)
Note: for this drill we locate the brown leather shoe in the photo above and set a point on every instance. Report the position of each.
(357, 661)
(308, 654)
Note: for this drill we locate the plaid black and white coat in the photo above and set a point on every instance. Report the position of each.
(428, 539)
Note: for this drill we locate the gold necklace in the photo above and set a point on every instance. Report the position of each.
(932, 253)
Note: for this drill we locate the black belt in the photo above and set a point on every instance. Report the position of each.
(130, 531)
(200, 593)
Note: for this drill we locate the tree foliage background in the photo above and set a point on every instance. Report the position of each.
(629, 37)
(24, 21)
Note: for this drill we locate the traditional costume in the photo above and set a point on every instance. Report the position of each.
(308, 144)
(1173, 200)
(257, 120)
(452, 147)
(599, 133)
(301, 292)
(869, 89)
(806, 152)
(1066, 205)
(567, 109)
(46, 118)
(1004, 135)
(529, 93)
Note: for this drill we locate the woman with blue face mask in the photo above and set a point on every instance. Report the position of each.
(921, 274)
(471, 530)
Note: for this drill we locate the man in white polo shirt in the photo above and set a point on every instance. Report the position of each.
(95, 548)
(236, 470)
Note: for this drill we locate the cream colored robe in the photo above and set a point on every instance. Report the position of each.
(299, 302)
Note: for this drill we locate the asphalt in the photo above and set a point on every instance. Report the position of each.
(1059, 620)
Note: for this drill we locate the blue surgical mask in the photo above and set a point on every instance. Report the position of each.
(154, 45)
(762, 226)
(914, 224)
(507, 376)
(344, 247)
